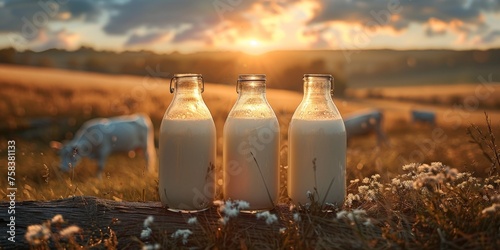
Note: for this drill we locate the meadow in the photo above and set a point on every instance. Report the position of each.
(407, 216)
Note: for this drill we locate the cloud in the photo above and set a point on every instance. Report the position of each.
(16, 14)
(381, 11)
(46, 39)
(491, 36)
(147, 39)
(464, 18)
(196, 20)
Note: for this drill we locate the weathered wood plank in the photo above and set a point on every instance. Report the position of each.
(92, 214)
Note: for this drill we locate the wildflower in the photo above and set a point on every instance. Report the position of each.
(148, 221)
(408, 184)
(452, 174)
(270, 218)
(366, 180)
(146, 233)
(354, 181)
(229, 210)
(396, 182)
(192, 221)
(69, 231)
(342, 214)
(151, 247)
(296, 217)
(359, 212)
(350, 198)
(292, 207)
(462, 185)
(57, 219)
(491, 209)
(282, 230)
(223, 220)
(371, 195)
(409, 167)
(243, 204)
(309, 194)
(362, 189)
(182, 233)
(356, 214)
(35, 234)
(368, 222)
(375, 176)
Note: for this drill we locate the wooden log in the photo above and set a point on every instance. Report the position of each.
(95, 215)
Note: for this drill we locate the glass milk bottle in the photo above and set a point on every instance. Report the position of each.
(187, 148)
(251, 147)
(317, 145)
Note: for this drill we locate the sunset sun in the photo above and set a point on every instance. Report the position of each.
(253, 46)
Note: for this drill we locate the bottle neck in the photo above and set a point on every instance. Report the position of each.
(317, 88)
(188, 86)
(252, 88)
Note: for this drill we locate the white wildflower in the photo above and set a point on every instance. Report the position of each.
(485, 198)
(151, 247)
(309, 194)
(282, 230)
(296, 217)
(452, 174)
(243, 204)
(350, 198)
(489, 186)
(368, 222)
(350, 216)
(192, 221)
(231, 211)
(371, 195)
(366, 180)
(69, 231)
(354, 181)
(359, 212)
(342, 214)
(182, 233)
(396, 182)
(148, 221)
(375, 176)
(408, 184)
(462, 185)
(409, 167)
(57, 219)
(145, 233)
(223, 220)
(35, 234)
(270, 218)
(362, 189)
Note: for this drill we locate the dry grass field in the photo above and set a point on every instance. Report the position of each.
(74, 97)
(388, 206)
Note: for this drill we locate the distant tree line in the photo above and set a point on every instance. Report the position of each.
(284, 69)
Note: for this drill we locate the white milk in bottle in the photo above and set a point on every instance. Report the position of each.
(187, 148)
(317, 153)
(188, 154)
(317, 146)
(251, 147)
(250, 151)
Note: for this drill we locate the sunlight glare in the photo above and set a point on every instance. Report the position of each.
(254, 42)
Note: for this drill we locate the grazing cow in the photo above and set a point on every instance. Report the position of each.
(365, 122)
(423, 116)
(98, 138)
